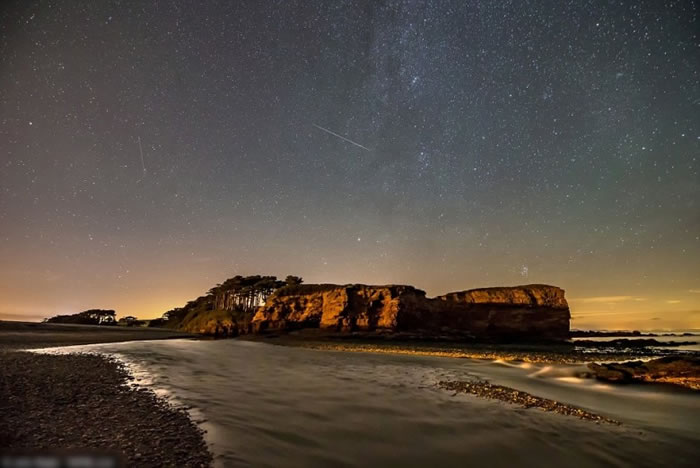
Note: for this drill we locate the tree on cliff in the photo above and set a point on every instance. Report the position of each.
(292, 280)
(246, 292)
(239, 296)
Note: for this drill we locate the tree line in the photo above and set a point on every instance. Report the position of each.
(240, 295)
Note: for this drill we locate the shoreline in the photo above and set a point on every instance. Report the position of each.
(84, 403)
(632, 366)
(15, 336)
(549, 353)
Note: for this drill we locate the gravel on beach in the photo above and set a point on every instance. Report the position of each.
(83, 403)
(484, 389)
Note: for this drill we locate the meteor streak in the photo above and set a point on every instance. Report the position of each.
(143, 164)
(341, 137)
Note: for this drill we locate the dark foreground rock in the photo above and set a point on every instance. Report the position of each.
(82, 403)
(484, 389)
(677, 370)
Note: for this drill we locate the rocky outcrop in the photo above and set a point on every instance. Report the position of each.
(532, 311)
(532, 295)
(335, 307)
(678, 370)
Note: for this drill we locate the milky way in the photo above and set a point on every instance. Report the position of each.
(511, 142)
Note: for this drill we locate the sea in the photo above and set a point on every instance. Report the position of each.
(264, 405)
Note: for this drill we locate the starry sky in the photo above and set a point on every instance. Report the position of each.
(149, 150)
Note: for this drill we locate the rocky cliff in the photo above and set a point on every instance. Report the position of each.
(532, 311)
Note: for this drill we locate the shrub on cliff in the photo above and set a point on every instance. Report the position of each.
(156, 323)
(292, 280)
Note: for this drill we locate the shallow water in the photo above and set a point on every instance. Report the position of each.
(265, 405)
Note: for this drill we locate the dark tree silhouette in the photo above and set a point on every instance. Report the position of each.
(239, 297)
(292, 280)
(87, 317)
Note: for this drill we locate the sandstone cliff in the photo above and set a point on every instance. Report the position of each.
(532, 311)
(335, 307)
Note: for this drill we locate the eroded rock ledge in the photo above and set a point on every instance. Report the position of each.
(530, 311)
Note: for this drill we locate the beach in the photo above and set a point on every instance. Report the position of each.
(86, 403)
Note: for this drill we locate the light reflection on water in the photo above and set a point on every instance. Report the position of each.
(265, 405)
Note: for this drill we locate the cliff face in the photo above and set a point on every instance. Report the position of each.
(531, 295)
(534, 311)
(335, 307)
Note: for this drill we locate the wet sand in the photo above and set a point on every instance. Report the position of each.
(83, 403)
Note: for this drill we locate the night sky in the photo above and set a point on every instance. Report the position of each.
(150, 150)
